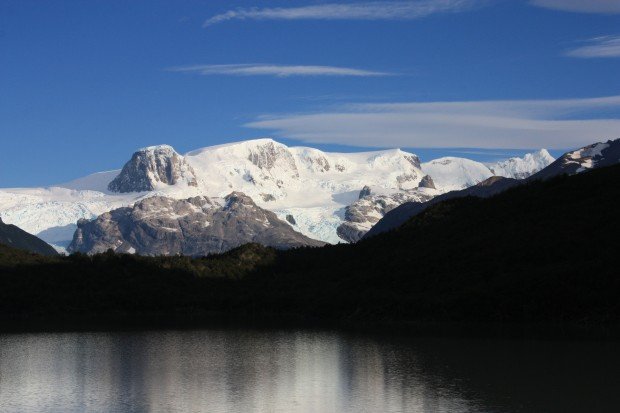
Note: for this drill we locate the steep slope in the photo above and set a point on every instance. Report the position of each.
(17, 238)
(361, 215)
(589, 157)
(152, 167)
(195, 226)
(521, 168)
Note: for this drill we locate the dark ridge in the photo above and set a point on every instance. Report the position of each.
(15, 237)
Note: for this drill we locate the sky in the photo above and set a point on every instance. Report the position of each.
(83, 84)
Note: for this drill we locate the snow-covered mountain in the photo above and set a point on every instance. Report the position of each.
(310, 187)
(451, 174)
(521, 168)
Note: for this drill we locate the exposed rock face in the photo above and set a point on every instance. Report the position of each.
(364, 192)
(194, 226)
(399, 215)
(270, 154)
(151, 166)
(291, 220)
(427, 182)
(361, 215)
(17, 238)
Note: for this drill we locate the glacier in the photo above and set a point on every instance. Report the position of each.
(313, 186)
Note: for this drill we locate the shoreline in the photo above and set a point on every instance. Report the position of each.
(214, 321)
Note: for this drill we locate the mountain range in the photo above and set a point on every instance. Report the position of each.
(320, 196)
(542, 253)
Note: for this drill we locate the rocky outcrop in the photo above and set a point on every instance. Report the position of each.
(361, 215)
(364, 192)
(17, 238)
(195, 226)
(427, 182)
(269, 155)
(153, 166)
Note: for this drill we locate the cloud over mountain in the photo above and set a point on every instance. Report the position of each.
(554, 124)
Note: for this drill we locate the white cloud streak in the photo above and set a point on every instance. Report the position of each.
(581, 6)
(275, 70)
(553, 124)
(603, 46)
(374, 10)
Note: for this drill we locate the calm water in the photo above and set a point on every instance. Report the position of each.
(247, 371)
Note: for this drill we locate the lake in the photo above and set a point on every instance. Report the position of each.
(232, 370)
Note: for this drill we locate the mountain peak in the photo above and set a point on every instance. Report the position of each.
(157, 148)
(152, 166)
(520, 168)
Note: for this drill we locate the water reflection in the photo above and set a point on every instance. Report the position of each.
(249, 371)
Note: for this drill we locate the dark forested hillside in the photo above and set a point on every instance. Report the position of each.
(18, 238)
(544, 251)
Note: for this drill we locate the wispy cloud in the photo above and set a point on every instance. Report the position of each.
(486, 153)
(275, 70)
(374, 10)
(603, 46)
(581, 6)
(553, 124)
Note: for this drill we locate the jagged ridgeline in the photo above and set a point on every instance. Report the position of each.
(316, 193)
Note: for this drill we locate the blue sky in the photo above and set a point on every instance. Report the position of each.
(85, 83)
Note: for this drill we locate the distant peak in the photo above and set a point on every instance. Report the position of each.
(543, 153)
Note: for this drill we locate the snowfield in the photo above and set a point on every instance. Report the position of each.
(312, 186)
